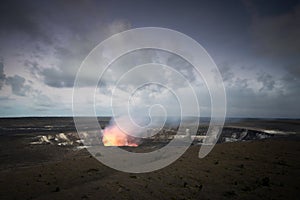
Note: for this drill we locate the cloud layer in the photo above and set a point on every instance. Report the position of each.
(43, 45)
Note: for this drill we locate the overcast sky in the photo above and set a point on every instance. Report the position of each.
(254, 43)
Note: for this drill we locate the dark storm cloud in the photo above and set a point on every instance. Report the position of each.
(53, 76)
(290, 85)
(56, 78)
(18, 17)
(271, 96)
(16, 82)
(275, 34)
(53, 37)
(243, 101)
(18, 85)
(23, 88)
(70, 56)
(32, 17)
(294, 70)
(269, 8)
(278, 35)
(226, 71)
(267, 81)
(64, 28)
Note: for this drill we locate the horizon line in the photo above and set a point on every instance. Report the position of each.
(70, 116)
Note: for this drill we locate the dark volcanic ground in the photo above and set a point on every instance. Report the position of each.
(260, 169)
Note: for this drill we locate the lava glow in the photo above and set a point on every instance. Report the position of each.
(114, 136)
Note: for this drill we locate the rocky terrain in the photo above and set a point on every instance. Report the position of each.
(247, 163)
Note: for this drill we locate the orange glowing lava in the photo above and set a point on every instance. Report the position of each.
(113, 136)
